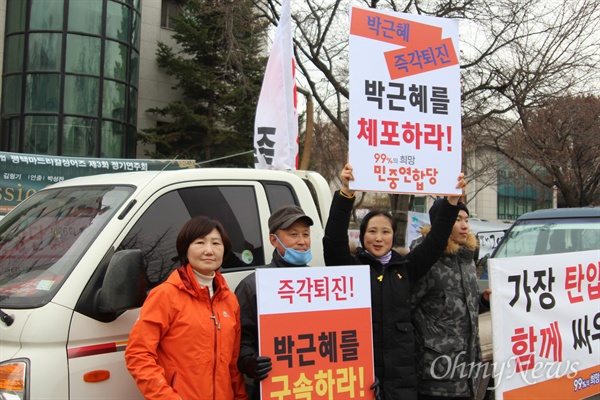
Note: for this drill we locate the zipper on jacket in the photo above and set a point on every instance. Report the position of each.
(380, 277)
(215, 349)
(214, 318)
(217, 327)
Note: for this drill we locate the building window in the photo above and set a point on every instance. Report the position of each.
(79, 137)
(420, 204)
(516, 197)
(170, 9)
(41, 135)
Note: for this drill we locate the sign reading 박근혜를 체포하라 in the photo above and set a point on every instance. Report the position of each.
(405, 111)
(21, 175)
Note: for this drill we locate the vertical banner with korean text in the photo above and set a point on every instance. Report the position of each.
(315, 324)
(276, 121)
(546, 326)
(405, 111)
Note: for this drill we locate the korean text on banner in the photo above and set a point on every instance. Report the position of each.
(405, 121)
(24, 174)
(315, 324)
(546, 325)
(276, 122)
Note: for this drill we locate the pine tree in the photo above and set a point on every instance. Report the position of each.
(219, 70)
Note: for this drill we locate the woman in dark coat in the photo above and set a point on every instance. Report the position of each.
(391, 277)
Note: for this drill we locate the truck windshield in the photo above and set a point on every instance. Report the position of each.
(42, 240)
(550, 236)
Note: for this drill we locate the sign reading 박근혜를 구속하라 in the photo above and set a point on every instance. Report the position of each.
(315, 324)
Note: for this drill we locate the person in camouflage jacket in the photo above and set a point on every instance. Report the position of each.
(445, 307)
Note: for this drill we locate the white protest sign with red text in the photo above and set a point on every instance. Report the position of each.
(405, 111)
(315, 324)
(546, 325)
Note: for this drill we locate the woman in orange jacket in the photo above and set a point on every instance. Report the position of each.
(186, 342)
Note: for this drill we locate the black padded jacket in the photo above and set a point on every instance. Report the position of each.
(393, 332)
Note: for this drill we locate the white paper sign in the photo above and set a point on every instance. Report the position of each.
(546, 325)
(405, 110)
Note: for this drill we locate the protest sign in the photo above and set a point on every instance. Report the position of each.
(546, 325)
(405, 121)
(315, 324)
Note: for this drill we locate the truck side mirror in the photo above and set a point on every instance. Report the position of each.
(124, 285)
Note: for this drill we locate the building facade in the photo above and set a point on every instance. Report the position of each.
(79, 75)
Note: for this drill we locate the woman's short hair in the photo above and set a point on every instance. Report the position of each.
(198, 227)
(367, 218)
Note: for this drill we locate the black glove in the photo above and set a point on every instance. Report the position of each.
(376, 388)
(258, 367)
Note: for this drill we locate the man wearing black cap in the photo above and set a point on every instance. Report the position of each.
(289, 233)
(445, 308)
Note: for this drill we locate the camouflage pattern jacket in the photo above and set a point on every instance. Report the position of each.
(445, 307)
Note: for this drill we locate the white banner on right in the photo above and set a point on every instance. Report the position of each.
(546, 326)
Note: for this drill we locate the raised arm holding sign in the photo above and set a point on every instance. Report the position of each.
(391, 277)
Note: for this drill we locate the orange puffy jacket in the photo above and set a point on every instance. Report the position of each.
(185, 345)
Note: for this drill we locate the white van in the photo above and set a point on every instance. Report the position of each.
(77, 259)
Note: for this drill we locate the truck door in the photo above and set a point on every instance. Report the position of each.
(97, 342)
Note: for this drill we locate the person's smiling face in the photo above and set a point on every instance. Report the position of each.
(205, 254)
(379, 236)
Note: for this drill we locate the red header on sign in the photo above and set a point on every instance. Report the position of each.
(423, 49)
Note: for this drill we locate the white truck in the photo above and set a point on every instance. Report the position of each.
(77, 259)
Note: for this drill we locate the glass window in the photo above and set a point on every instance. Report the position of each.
(46, 15)
(88, 16)
(41, 244)
(131, 143)
(169, 9)
(44, 52)
(79, 137)
(11, 94)
(113, 104)
(135, 30)
(279, 195)
(117, 21)
(132, 106)
(550, 236)
(40, 135)
(83, 54)
(420, 204)
(13, 57)
(10, 134)
(83, 94)
(115, 60)
(156, 231)
(42, 93)
(113, 140)
(134, 68)
(15, 15)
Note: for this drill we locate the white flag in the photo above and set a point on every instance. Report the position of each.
(276, 122)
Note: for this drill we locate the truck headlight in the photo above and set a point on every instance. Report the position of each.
(14, 375)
